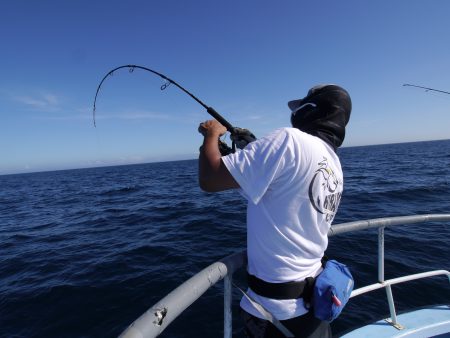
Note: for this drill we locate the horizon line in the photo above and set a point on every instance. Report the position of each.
(182, 159)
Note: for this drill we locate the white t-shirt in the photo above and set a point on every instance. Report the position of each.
(293, 183)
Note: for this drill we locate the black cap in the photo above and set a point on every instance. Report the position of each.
(324, 112)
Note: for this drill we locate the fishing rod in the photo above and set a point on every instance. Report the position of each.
(426, 88)
(240, 136)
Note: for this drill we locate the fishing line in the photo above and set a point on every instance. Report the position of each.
(240, 137)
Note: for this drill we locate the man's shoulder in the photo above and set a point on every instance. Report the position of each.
(306, 142)
(289, 137)
(297, 135)
(284, 132)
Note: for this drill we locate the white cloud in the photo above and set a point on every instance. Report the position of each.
(143, 116)
(51, 99)
(40, 101)
(82, 114)
(132, 115)
(250, 118)
(30, 101)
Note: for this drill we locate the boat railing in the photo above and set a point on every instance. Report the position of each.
(159, 316)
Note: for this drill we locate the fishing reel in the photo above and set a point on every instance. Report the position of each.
(240, 137)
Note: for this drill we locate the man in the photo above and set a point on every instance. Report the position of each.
(293, 182)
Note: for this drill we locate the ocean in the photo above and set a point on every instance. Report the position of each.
(85, 252)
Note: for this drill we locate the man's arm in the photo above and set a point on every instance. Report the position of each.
(213, 175)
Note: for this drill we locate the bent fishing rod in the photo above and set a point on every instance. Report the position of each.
(240, 137)
(426, 88)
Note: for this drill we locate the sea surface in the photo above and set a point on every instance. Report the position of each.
(85, 252)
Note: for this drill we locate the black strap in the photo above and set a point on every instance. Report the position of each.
(288, 290)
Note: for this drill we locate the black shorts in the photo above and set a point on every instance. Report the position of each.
(305, 326)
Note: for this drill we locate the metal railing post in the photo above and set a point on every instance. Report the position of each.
(381, 254)
(227, 314)
(390, 298)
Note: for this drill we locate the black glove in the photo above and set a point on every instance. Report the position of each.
(224, 148)
(241, 137)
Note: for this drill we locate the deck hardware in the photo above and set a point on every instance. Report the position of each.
(398, 326)
(160, 314)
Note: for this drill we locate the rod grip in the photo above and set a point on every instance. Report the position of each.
(211, 111)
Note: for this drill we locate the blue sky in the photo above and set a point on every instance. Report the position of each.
(244, 58)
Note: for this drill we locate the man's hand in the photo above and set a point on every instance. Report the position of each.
(212, 128)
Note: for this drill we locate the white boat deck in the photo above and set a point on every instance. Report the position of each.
(426, 322)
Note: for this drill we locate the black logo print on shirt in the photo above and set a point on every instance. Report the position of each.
(323, 193)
